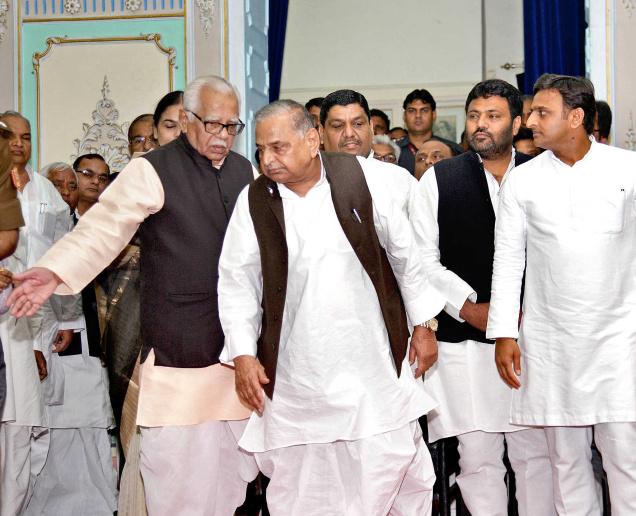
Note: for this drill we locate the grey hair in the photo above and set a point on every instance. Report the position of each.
(300, 117)
(192, 93)
(46, 170)
(15, 114)
(383, 139)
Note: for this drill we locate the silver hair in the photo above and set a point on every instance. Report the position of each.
(192, 93)
(46, 170)
(383, 139)
(300, 117)
(15, 114)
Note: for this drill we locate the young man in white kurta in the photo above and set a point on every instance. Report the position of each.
(473, 401)
(569, 218)
(341, 434)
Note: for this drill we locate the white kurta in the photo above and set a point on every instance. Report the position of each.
(23, 403)
(46, 219)
(577, 226)
(335, 378)
(464, 380)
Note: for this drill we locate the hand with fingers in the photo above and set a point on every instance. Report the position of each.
(36, 286)
(6, 278)
(62, 341)
(250, 376)
(423, 349)
(508, 360)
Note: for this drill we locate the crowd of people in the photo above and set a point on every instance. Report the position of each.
(172, 330)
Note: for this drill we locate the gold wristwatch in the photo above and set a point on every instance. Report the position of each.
(431, 324)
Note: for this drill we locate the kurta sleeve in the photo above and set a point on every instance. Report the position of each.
(423, 210)
(421, 299)
(240, 284)
(509, 263)
(106, 228)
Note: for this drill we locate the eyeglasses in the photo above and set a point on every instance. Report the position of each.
(141, 140)
(89, 174)
(387, 158)
(217, 127)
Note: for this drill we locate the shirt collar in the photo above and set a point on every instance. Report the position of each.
(287, 193)
(511, 165)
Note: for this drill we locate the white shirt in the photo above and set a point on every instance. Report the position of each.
(335, 377)
(577, 227)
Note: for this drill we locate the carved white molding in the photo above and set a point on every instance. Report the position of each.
(4, 9)
(630, 6)
(206, 15)
(133, 5)
(72, 6)
(630, 135)
(105, 136)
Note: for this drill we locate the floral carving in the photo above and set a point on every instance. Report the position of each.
(630, 5)
(72, 6)
(4, 9)
(133, 5)
(630, 135)
(206, 14)
(105, 136)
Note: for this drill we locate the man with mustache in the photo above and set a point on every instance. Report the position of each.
(180, 197)
(345, 126)
(453, 213)
(93, 176)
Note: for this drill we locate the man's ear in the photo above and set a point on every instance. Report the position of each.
(183, 120)
(516, 124)
(313, 140)
(577, 117)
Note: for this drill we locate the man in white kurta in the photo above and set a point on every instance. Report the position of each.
(340, 435)
(569, 218)
(474, 403)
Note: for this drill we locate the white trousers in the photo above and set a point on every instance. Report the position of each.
(574, 484)
(390, 473)
(482, 471)
(196, 470)
(15, 468)
(78, 476)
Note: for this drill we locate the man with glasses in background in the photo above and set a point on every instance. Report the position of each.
(141, 136)
(93, 176)
(180, 197)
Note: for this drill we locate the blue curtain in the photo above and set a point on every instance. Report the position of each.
(276, 44)
(554, 38)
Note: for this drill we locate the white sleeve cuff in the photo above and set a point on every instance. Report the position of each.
(426, 306)
(238, 344)
(75, 324)
(453, 307)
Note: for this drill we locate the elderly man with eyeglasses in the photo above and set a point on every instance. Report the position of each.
(180, 197)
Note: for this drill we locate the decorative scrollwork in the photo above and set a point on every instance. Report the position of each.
(206, 15)
(133, 5)
(630, 135)
(72, 6)
(630, 5)
(4, 9)
(105, 136)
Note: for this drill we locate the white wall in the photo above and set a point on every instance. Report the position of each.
(386, 48)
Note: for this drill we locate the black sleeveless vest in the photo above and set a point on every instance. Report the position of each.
(180, 249)
(466, 222)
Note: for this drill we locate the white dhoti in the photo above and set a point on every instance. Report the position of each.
(15, 467)
(196, 469)
(388, 473)
(474, 405)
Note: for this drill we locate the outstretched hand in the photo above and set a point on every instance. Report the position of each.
(35, 286)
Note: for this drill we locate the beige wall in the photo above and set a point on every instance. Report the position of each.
(624, 75)
(385, 49)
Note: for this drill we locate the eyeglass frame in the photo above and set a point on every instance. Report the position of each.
(89, 174)
(240, 126)
(392, 155)
(143, 139)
